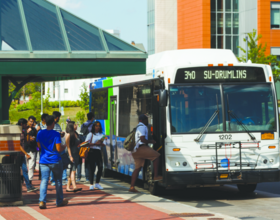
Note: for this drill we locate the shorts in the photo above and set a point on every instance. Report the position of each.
(142, 153)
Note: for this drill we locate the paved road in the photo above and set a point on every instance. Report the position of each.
(263, 204)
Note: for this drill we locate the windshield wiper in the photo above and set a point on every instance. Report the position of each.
(209, 122)
(230, 113)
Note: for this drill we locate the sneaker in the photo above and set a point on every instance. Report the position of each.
(65, 202)
(97, 186)
(42, 205)
(53, 183)
(78, 180)
(91, 187)
(32, 189)
(87, 181)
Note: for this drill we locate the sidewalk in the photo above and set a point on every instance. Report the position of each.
(114, 202)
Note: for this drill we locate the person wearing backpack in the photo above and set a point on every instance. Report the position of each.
(142, 152)
(85, 129)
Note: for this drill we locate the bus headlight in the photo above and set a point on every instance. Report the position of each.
(177, 164)
(185, 164)
(271, 161)
(265, 161)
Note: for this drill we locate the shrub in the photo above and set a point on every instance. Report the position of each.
(80, 117)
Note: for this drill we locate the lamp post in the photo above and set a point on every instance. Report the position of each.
(41, 98)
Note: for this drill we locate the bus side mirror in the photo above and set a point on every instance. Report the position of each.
(162, 98)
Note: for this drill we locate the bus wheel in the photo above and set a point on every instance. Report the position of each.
(248, 188)
(156, 189)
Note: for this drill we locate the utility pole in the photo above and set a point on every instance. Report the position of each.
(246, 48)
(58, 85)
(41, 98)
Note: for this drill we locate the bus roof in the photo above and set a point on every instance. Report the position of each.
(189, 57)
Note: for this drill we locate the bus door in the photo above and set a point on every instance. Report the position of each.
(158, 130)
(113, 138)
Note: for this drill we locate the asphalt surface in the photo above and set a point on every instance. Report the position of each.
(263, 204)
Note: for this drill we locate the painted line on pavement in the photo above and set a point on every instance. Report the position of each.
(34, 213)
(2, 218)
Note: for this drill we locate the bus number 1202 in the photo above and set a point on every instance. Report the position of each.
(225, 137)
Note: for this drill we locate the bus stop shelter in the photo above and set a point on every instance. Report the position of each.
(42, 42)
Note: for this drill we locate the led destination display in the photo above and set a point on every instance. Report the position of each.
(220, 74)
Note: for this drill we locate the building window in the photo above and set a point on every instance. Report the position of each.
(151, 27)
(275, 15)
(225, 24)
(65, 90)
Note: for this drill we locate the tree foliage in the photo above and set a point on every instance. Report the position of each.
(84, 96)
(26, 90)
(35, 104)
(80, 117)
(47, 104)
(256, 53)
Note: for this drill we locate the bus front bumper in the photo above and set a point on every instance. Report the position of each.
(209, 178)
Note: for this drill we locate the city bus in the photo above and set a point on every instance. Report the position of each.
(214, 120)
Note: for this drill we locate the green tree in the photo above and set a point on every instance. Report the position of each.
(84, 96)
(47, 104)
(80, 117)
(27, 90)
(35, 104)
(256, 53)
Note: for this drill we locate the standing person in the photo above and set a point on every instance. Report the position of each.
(42, 126)
(94, 156)
(50, 143)
(142, 152)
(68, 120)
(23, 123)
(72, 143)
(57, 128)
(31, 146)
(85, 129)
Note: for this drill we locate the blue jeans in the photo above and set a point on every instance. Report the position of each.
(24, 172)
(79, 169)
(56, 169)
(64, 176)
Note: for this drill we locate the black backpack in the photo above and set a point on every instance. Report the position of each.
(84, 132)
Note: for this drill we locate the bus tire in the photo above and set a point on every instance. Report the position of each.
(156, 189)
(247, 188)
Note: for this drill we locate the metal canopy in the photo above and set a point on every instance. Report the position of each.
(41, 42)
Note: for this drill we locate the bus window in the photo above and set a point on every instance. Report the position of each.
(252, 105)
(133, 101)
(193, 106)
(99, 103)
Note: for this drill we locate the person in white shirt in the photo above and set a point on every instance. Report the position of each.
(142, 152)
(95, 138)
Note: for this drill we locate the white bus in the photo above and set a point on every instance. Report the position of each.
(215, 120)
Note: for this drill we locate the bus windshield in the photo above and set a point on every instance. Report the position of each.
(192, 107)
(253, 105)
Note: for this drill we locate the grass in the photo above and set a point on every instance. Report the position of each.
(71, 112)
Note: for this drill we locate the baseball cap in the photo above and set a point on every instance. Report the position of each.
(143, 117)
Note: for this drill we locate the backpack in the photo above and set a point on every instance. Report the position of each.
(129, 142)
(84, 132)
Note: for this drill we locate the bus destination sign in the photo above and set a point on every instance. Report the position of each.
(220, 74)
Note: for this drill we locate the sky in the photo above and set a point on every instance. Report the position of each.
(127, 16)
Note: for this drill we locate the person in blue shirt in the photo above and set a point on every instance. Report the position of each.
(49, 141)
